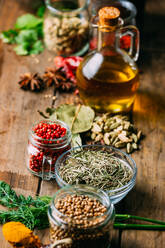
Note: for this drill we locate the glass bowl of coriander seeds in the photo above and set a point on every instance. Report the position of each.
(100, 166)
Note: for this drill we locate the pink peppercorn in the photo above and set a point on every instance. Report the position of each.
(47, 141)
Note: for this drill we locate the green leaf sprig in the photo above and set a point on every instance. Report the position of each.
(33, 212)
(27, 34)
(30, 211)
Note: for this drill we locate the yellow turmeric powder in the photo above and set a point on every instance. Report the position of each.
(18, 235)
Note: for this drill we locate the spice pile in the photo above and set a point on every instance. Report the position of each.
(18, 235)
(116, 131)
(81, 213)
(96, 168)
(62, 76)
(83, 209)
(49, 131)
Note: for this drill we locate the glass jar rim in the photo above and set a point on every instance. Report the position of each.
(58, 122)
(60, 12)
(123, 188)
(110, 208)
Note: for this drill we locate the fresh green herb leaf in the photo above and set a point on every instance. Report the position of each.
(37, 47)
(8, 197)
(26, 36)
(31, 212)
(28, 43)
(8, 36)
(21, 49)
(39, 31)
(27, 21)
(41, 11)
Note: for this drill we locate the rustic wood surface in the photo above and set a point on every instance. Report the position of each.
(18, 111)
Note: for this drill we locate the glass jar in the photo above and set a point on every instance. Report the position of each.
(43, 153)
(96, 235)
(66, 27)
(128, 14)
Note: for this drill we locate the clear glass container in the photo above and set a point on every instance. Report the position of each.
(108, 77)
(115, 195)
(93, 236)
(66, 26)
(128, 13)
(42, 153)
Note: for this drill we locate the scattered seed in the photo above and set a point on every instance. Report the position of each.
(128, 148)
(115, 141)
(114, 125)
(106, 138)
(134, 146)
(139, 135)
(123, 138)
(99, 137)
(120, 144)
(96, 128)
(134, 137)
(47, 96)
(36, 60)
(93, 136)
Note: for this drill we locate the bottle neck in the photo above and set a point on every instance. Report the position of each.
(107, 35)
(106, 38)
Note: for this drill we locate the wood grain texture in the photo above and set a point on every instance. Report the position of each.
(148, 198)
(18, 110)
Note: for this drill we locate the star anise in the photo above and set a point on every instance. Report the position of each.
(49, 76)
(58, 77)
(32, 82)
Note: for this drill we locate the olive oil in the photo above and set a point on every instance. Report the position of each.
(108, 77)
(107, 83)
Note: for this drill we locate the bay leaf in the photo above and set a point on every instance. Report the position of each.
(76, 140)
(78, 118)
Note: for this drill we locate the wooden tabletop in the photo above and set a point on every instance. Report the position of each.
(18, 110)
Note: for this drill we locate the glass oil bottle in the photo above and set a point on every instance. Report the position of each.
(108, 77)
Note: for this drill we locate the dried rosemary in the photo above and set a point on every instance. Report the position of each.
(96, 168)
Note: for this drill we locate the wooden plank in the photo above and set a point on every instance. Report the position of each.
(18, 109)
(147, 199)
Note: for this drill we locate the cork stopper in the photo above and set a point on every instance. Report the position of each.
(108, 16)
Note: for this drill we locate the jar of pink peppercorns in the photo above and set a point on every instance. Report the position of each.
(47, 141)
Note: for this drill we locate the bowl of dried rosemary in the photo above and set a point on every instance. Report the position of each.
(103, 167)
